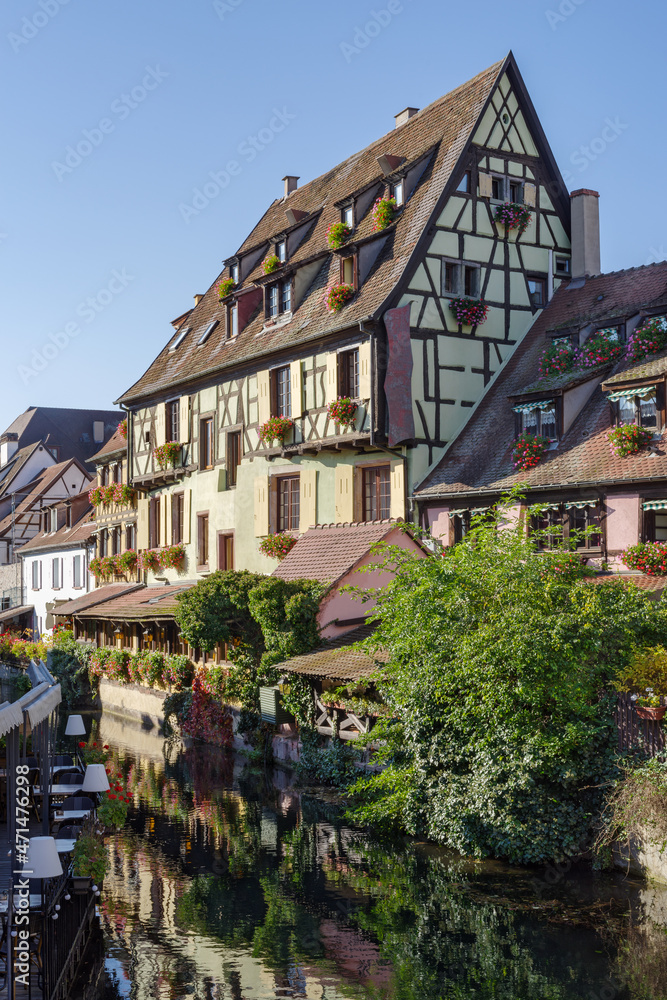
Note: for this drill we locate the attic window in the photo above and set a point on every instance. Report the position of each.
(537, 417)
(179, 339)
(562, 265)
(398, 191)
(347, 215)
(234, 272)
(281, 251)
(637, 405)
(233, 321)
(207, 333)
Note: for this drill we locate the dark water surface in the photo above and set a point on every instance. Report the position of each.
(227, 883)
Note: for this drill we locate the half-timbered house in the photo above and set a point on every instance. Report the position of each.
(263, 342)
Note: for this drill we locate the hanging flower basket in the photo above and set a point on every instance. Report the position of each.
(601, 348)
(528, 450)
(167, 454)
(383, 213)
(122, 429)
(126, 561)
(95, 567)
(649, 338)
(628, 439)
(653, 712)
(122, 493)
(338, 233)
(513, 216)
(336, 296)
(469, 312)
(271, 264)
(343, 411)
(151, 559)
(556, 360)
(225, 287)
(172, 556)
(277, 546)
(275, 428)
(647, 557)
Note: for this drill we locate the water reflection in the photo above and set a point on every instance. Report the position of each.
(226, 885)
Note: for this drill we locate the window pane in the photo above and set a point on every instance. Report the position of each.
(286, 303)
(497, 188)
(627, 411)
(471, 281)
(173, 420)
(464, 183)
(536, 290)
(451, 277)
(234, 321)
(233, 456)
(549, 423)
(529, 424)
(348, 215)
(283, 394)
(288, 503)
(398, 192)
(516, 191)
(348, 270)
(660, 527)
(281, 250)
(273, 300)
(648, 411)
(377, 493)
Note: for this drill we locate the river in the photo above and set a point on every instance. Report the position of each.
(228, 883)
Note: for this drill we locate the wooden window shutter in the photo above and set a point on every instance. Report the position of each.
(264, 396)
(165, 520)
(160, 424)
(397, 497)
(308, 506)
(142, 523)
(187, 507)
(184, 419)
(530, 195)
(261, 506)
(344, 493)
(365, 370)
(331, 379)
(297, 388)
(485, 185)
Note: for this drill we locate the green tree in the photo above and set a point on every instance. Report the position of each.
(501, 674)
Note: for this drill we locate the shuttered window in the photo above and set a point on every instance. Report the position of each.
(202, 539)
(177, 505)
(288, 503)
(174, 420)
(376, 493)
(348, 374)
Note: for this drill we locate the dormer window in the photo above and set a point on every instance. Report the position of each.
(233, 321)
(537, 417)
(398, 192)
(348, 271)
(279, 298)
(347, 216)
(281, 251)
(638, 405)
(234, 273)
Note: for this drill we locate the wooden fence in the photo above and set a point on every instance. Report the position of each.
(645, 735)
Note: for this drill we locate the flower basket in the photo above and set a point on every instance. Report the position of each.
(275, 428)
(656, 713)
(270, 264)
(95, 567)
(172, 556)
(556, 360)
(383, 213)
(150, 560)
(122, 493)
(90, 857)
(277, 546)
(649, 338)
(126, 561)
(628, 439)
(167, 454)
(601, 348)
(647, 557)
(528, 450)
(336, 296)
(122, 429)
(108, 566)
(469, 312)
(226, 287)
(513, 216)
(343, 411)
(338, 234)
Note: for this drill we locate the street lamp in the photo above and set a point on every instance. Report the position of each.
(75, 727)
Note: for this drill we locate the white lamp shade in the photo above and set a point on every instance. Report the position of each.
(42, 858)
(95, 779)
(75, 726)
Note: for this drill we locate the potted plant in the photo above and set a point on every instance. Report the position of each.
(277, 546)
(556, 359)
(337, 234)
(470, 312)
(513, 216)
(648, 706)
(270, 263)
(122, 429)
(172, 555)
(528, 450)
(600, 348)
(343, 410)
(225, 287)
(90, 860)
(383, 213)
(150, 560)
(649, 338)
(644, 675)
(647, 557)
(336, 296)
(167, 454)
(275, 428)
(628, 439)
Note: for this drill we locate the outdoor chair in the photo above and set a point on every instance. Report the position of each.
(62, 758)
(77, 802)
(69, 832)
(69, 778)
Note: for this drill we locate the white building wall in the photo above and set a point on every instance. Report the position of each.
(45, 592)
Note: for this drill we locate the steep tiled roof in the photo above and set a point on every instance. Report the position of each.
(79, 533)
(480, 458)
(565, 380)
(652, 584)
(137, 603)
(88, 601)
(337, 660)
(652, 367)
(71, 430)
(329, 551)
(116, 444)
(437, 135)
(32, 492)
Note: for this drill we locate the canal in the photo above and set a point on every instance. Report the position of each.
(227, 883)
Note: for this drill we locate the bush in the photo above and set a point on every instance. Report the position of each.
(90, 857)
(648, 557)
(637, 808)
(332, 765)
(646, 669)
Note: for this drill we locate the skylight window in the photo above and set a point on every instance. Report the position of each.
(207, 333)
(179, 339)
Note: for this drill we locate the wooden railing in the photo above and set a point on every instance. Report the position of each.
(643, 735)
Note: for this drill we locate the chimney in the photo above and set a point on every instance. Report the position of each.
(403, 116)
(291, 184)
(198, 299)
(585, 221)
(9, 444)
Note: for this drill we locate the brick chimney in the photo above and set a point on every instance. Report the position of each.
(585, 221)
(403, 116)
(291, 184)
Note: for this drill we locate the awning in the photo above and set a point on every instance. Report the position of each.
(655, 505)
(642, 391)
(13, 612)
(42, 707)
(540, 404)
(457, 513)
(11, 717)
(580, 504)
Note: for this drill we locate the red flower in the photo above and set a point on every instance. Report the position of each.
(82, 744)
(111, 796)
(106, 746)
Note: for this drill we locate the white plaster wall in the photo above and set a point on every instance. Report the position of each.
(46, 594)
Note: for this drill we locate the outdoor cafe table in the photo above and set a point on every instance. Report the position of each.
(62, 817)
(58, 790)
(35, 902)
(65, 846)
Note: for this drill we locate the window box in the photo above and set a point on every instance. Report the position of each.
(336, 296)
(528, 450)
(168, 454)
(512, 215)
(275, 429)
(337, 234)
(226, 287)
(647, 557)
(277, 546)
(271, 264)
(343, 411)
(383, 213)
(601, 348)
(556, 359)
(628, 439)
(469, 311)
(649, 338)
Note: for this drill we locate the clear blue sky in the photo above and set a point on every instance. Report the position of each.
(179, 87)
